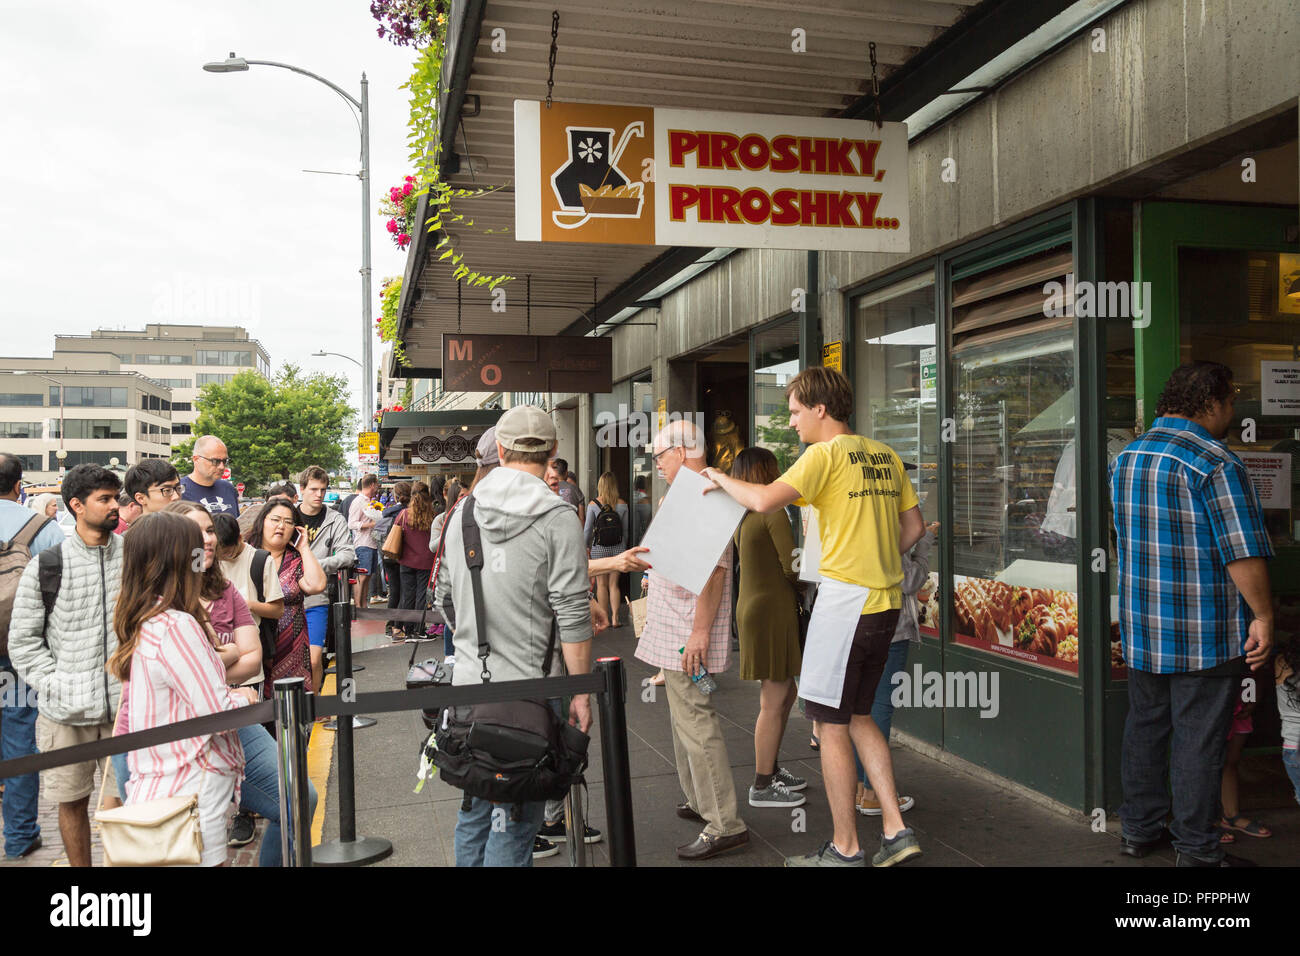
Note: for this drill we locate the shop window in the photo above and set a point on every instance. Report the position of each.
(895, 383)
(776, 361)
(1015, 465)
(1243, 309)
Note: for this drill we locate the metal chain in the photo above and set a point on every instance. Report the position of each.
(550, 75)
(875, 84)
(458, 307)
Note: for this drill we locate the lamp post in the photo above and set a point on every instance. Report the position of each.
(339, 354)
(238, 64)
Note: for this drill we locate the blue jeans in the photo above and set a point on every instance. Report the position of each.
(260, 791)
(508, 843)
(448, 644)
(1291, 761)
(1175, 737)
(882, 708)
(18, 739)
(366, 562)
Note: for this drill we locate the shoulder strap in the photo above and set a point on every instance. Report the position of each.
(474, 560)
(27, 534)
(50, 576)
(258, 569)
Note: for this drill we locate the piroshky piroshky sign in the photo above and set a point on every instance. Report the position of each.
(672, 177)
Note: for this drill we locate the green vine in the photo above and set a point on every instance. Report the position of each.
(425, 143)
(390, 295)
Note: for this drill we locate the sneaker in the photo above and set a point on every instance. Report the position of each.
(242, 829)
(542, 848)
(449, 660)
(871, 807)
(827, 856)
(556, 833)
(893, 850)
(775, 794)
(789, 780)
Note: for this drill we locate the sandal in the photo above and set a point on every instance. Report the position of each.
(657, 680)
(814, 743)
(1226, 837)
(1252, 827)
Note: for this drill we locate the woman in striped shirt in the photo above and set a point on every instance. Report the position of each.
(172, 673)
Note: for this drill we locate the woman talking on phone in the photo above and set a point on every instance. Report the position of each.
(279, 529)
(171, 671)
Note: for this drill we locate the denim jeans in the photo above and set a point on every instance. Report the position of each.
(882, 708)
(448, 644)
(503, 841)
(18, 739)
(1291, 761)
(260, 791)
(1175, 738)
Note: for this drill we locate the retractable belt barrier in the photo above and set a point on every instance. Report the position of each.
(293, 710)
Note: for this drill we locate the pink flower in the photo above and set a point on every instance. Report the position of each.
(392, 226)
(395, 194)
(409, 179)
(403, 239)
(407, 190)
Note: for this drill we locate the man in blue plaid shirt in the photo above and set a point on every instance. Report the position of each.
(1192, 558)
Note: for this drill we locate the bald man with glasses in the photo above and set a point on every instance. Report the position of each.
(205, 484)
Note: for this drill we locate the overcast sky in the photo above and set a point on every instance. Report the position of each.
(135, 187)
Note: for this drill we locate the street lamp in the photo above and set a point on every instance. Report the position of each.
(339, 354)
(60, 454)
(238, 64)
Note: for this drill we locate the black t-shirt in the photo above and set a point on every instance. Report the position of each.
(313, 524)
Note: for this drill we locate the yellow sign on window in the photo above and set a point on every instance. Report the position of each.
(833, 356)
(368, 443)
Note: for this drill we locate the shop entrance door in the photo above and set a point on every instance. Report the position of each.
(1225, 287)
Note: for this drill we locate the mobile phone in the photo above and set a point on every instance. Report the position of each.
(297, 540)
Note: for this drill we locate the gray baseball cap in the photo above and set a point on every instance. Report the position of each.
(525, 428)
(486, 452)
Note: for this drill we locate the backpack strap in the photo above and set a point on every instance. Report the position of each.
(29, 532)
(50, 577)
(258, 569)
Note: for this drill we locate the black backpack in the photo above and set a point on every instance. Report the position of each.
(518, 751)
(609, 527)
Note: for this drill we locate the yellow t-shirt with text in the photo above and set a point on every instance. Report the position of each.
(859, 489)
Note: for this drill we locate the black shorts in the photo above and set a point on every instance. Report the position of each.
(867, 657)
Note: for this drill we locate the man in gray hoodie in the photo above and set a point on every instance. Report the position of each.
(534, 574)
(62, 656)
(331, 542)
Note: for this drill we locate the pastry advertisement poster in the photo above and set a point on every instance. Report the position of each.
(672, 177)
(1279, 388)
(1270, 473)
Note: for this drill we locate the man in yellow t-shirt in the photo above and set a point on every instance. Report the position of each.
(868, 514)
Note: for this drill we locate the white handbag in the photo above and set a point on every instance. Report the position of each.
(163, 832)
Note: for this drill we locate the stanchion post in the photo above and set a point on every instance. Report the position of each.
(291, 755)
(575, 825)
(348, 849)
(614, 760)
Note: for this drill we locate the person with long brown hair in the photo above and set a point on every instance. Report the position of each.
(416, 560)
(768, 624)
(606, 533)
(279, 529)
(393, 569)
(171, 672)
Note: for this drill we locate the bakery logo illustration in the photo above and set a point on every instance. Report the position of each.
(591, 185)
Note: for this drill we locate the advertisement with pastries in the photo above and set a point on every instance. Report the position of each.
(1035, 625)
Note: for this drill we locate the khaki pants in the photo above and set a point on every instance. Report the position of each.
(71, 782)
(702, 764)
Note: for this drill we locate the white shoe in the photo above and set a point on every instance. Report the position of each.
(449, 660)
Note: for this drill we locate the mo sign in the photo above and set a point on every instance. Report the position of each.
(527, 363)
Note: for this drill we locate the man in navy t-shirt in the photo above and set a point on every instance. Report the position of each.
(205, 484)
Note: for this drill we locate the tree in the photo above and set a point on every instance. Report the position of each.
(779, 438)
(274, 429)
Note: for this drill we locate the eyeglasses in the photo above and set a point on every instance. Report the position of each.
(279, 522)
(219, 462)
(666, 451)
(167, 491)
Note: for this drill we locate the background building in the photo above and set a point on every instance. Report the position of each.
(182, 357)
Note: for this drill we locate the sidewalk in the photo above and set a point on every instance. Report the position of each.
(960, 819)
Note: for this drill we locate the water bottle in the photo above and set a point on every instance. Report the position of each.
(703, 680)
